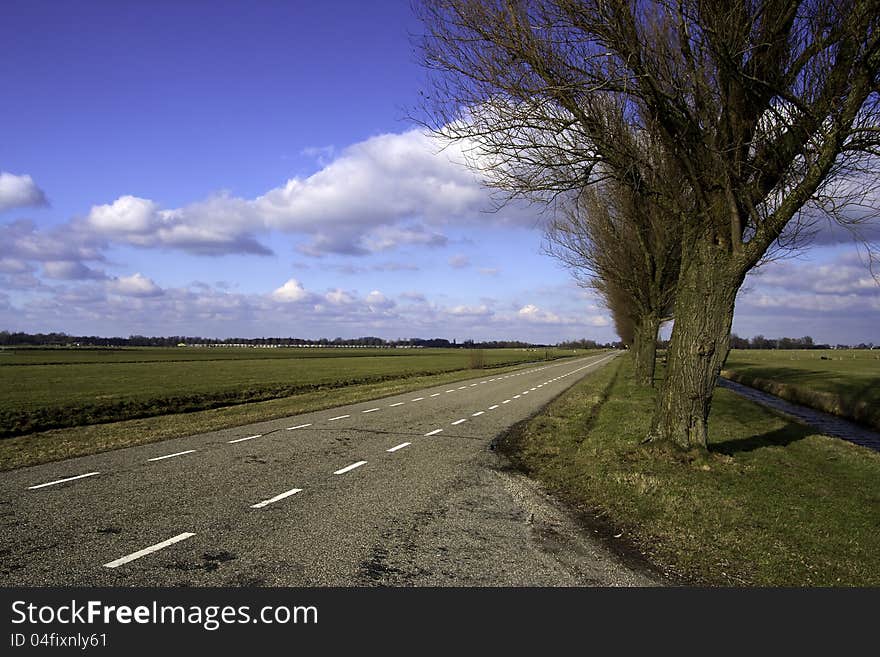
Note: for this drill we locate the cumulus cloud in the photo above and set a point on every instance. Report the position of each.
(70, 270)
(377, 300)
(215, 226)
(532, 313)
(837, 278)
(471, 311)
(136, 285)
(339, 297)
(291, 292)
(837, 301)
(19, 191)
(386, 192)
(459, 261)
(23, 240)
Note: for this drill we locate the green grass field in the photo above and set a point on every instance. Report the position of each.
(843, 382)
(43, 389)
(773, 503)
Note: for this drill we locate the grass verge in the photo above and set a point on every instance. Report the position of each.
(58, 444)
(771, 504)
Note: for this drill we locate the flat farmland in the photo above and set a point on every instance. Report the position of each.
(43, 389)
(839, 381)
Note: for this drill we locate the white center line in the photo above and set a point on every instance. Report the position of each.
(517, 396)
(434, 432)
(506, 401)
(349, 468)
(168, 456)
(148, 550)
(370, 410)
(299, 426)
(397, 404)
(450, 391)
(61, 481)
(397, 447)
(477, 413)
(532, 389)
(492, 408)
(292, 491)
(472, 385)
(462, 387)
(241, 440)
(417, 399)
(459, 421)
(338, 417)
(436, 394)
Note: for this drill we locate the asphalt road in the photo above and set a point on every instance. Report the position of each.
(401, 490)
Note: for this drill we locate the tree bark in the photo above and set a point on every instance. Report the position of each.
(705, 300)
(645, 348)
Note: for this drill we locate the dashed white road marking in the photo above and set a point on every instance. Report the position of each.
(370, 410)
(477, 413)
(462, 387)
(349, 468)
(459, 421)
(338, 417)
(241, 440)
(517, 396)
(417, 399)
(472, 385)
(168, 456)
(61, 481)
(436, 394)
(450, 391)
(397, 447)
(492, 408)
(149, 550)
(434, 432)
(397, 404)
(292, 491)
(506, 401)
(299, 426)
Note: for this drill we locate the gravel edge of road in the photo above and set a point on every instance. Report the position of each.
(591, 522)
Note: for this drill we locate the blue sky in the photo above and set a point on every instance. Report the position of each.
(246, 169)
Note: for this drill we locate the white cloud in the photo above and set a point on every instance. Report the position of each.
(386, 192)
(19, 191)
(532, 313)
(70, 270)
(339, 297)
(471, 311)
(136, 285)
(459, 261)
(291, 292)
(377, 301)
(127, 215)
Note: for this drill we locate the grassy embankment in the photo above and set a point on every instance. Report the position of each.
(94, 401)
(842, 382)
(771, 504)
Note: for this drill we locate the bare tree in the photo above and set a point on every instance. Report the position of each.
(624, 246)
(771, 108)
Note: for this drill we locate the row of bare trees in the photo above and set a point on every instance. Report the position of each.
(677, 142)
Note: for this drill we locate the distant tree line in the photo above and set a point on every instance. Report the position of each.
(806, 342)
(11, 339)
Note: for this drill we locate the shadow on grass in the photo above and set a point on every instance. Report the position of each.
(777, 438)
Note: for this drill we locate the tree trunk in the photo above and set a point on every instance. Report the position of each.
(705, 299)
(645, 348)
